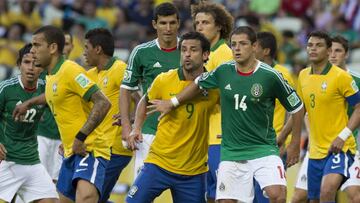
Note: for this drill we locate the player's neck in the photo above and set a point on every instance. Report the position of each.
(269, 61)
(103, 61)
(54, 60)
(317, 68)
(167, 45)
(247, 66)
(215, 40)
(29, 86)
(192, 75)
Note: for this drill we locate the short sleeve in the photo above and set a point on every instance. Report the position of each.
(133, 71)
(80, 83)
(208, 80)
(348, 88)
(153, 91)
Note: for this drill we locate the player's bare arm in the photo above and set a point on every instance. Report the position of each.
(124, 105)
(140, 115)
(20, 110)
(293, 150)
(2, 152)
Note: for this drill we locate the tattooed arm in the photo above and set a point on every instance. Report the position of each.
(96, 116)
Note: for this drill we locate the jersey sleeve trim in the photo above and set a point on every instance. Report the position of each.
(297, 109)
(90, 92)
(197, 82)
(128, 87)
(353, 99)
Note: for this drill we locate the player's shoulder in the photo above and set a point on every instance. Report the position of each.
(268, 70)
(305, 71)
(282, 69)
(226, 65)
(168, 75)
(70, 65)
(9, 83)
(355, 75)
(143, 46)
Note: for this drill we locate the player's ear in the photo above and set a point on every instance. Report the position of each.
(154, 24)
(206, 55)
(98, 49)
(53, 48)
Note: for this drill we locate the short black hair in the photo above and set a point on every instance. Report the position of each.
(24, 50)
(101, 37)
(322, 35)
(267, 40)
(53, 35)
(341, 40)
(165, 9)
(205, 44)
(245, 30)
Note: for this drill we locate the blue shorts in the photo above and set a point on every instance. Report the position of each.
(214, 160)
(153, 180)
(77, 167)
(116, 164)
(333, 163)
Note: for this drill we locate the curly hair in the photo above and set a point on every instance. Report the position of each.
(221, 16)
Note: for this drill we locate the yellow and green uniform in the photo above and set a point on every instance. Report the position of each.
(326, 98)
(66, 87)
(181, 142)
(109, 81)
(219, 54)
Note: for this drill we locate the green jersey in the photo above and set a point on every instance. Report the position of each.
(356, 78)
(19, 138)
(247, 107)
(47, 125)
(147, 61)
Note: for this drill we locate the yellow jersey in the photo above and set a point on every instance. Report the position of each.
(109, 81)
(220, 53)
(324, 96)
(66, 87)
(181, 142)
(279, 110)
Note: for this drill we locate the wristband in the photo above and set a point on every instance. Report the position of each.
(345, 133)
(175, 102)
(81, 136)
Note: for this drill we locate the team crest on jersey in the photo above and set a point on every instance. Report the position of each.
(205, 93)
(323, 86)
(132, 191)
(105, 81)
(82, 80)
(354, 86)
(127, 76)
(256, 90)
(54, 87)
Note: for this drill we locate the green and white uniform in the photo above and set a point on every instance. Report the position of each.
(248, 137)
(146, 61)
(22, 172)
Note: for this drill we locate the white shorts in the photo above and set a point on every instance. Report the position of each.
(30, 182)
(142, 153)
(235, 179)
(354, 171)
(49, 155)
(302, 177)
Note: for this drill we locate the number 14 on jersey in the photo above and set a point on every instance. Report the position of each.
(242, 104)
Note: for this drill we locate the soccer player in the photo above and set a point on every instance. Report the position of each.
(69, 46)
(146, 61)
(68, 93)
(215, 22)
(20, 169)
(108, 73)
(326, 89)
(177, 158)
(248, 89)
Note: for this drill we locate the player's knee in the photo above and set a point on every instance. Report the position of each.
(86, 192)
(355, 198)
(276, 194)
(328, 193)
(300, 196)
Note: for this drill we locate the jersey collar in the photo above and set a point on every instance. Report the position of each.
(22, 85)
(110, 63)
(325, 71)
(217, 44)
(158, 44)
(58, 65)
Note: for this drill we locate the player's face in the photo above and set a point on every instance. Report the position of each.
(338, 55)
(205, 24)
(260, 52)
(317, 50)
(90, 54)
(40, 50)
(29, 72)
(167, 28)
(242, 48)
(192, 56)
(68, 45)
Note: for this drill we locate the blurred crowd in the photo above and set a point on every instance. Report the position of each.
(130, 21)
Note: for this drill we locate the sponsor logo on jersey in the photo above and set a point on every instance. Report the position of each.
(256, 90)
(293, 99)
(228, 87)
(354, 86)
(127, 76)
(82, 80)
(323, 86)
(157, 65)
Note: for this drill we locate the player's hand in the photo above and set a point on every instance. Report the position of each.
(337, 145)
(117, 118)
(2, 152)
(280, 140)
(293, 154)
(20, 111)
(61, 150)
(162, 106)
(79, 147)
(134, 138)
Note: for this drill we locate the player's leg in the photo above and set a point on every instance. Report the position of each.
(234, 182)
(44, 154)
(335, 170)
(300, 193)
(142, 153)
(189, 188)
(315, 174)
(116, 164)
(270, 173)
(214, 160)
(149, 184)
(64, 184)
(9, 181)
(38, 185)
(56, 160)
(352, 185)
